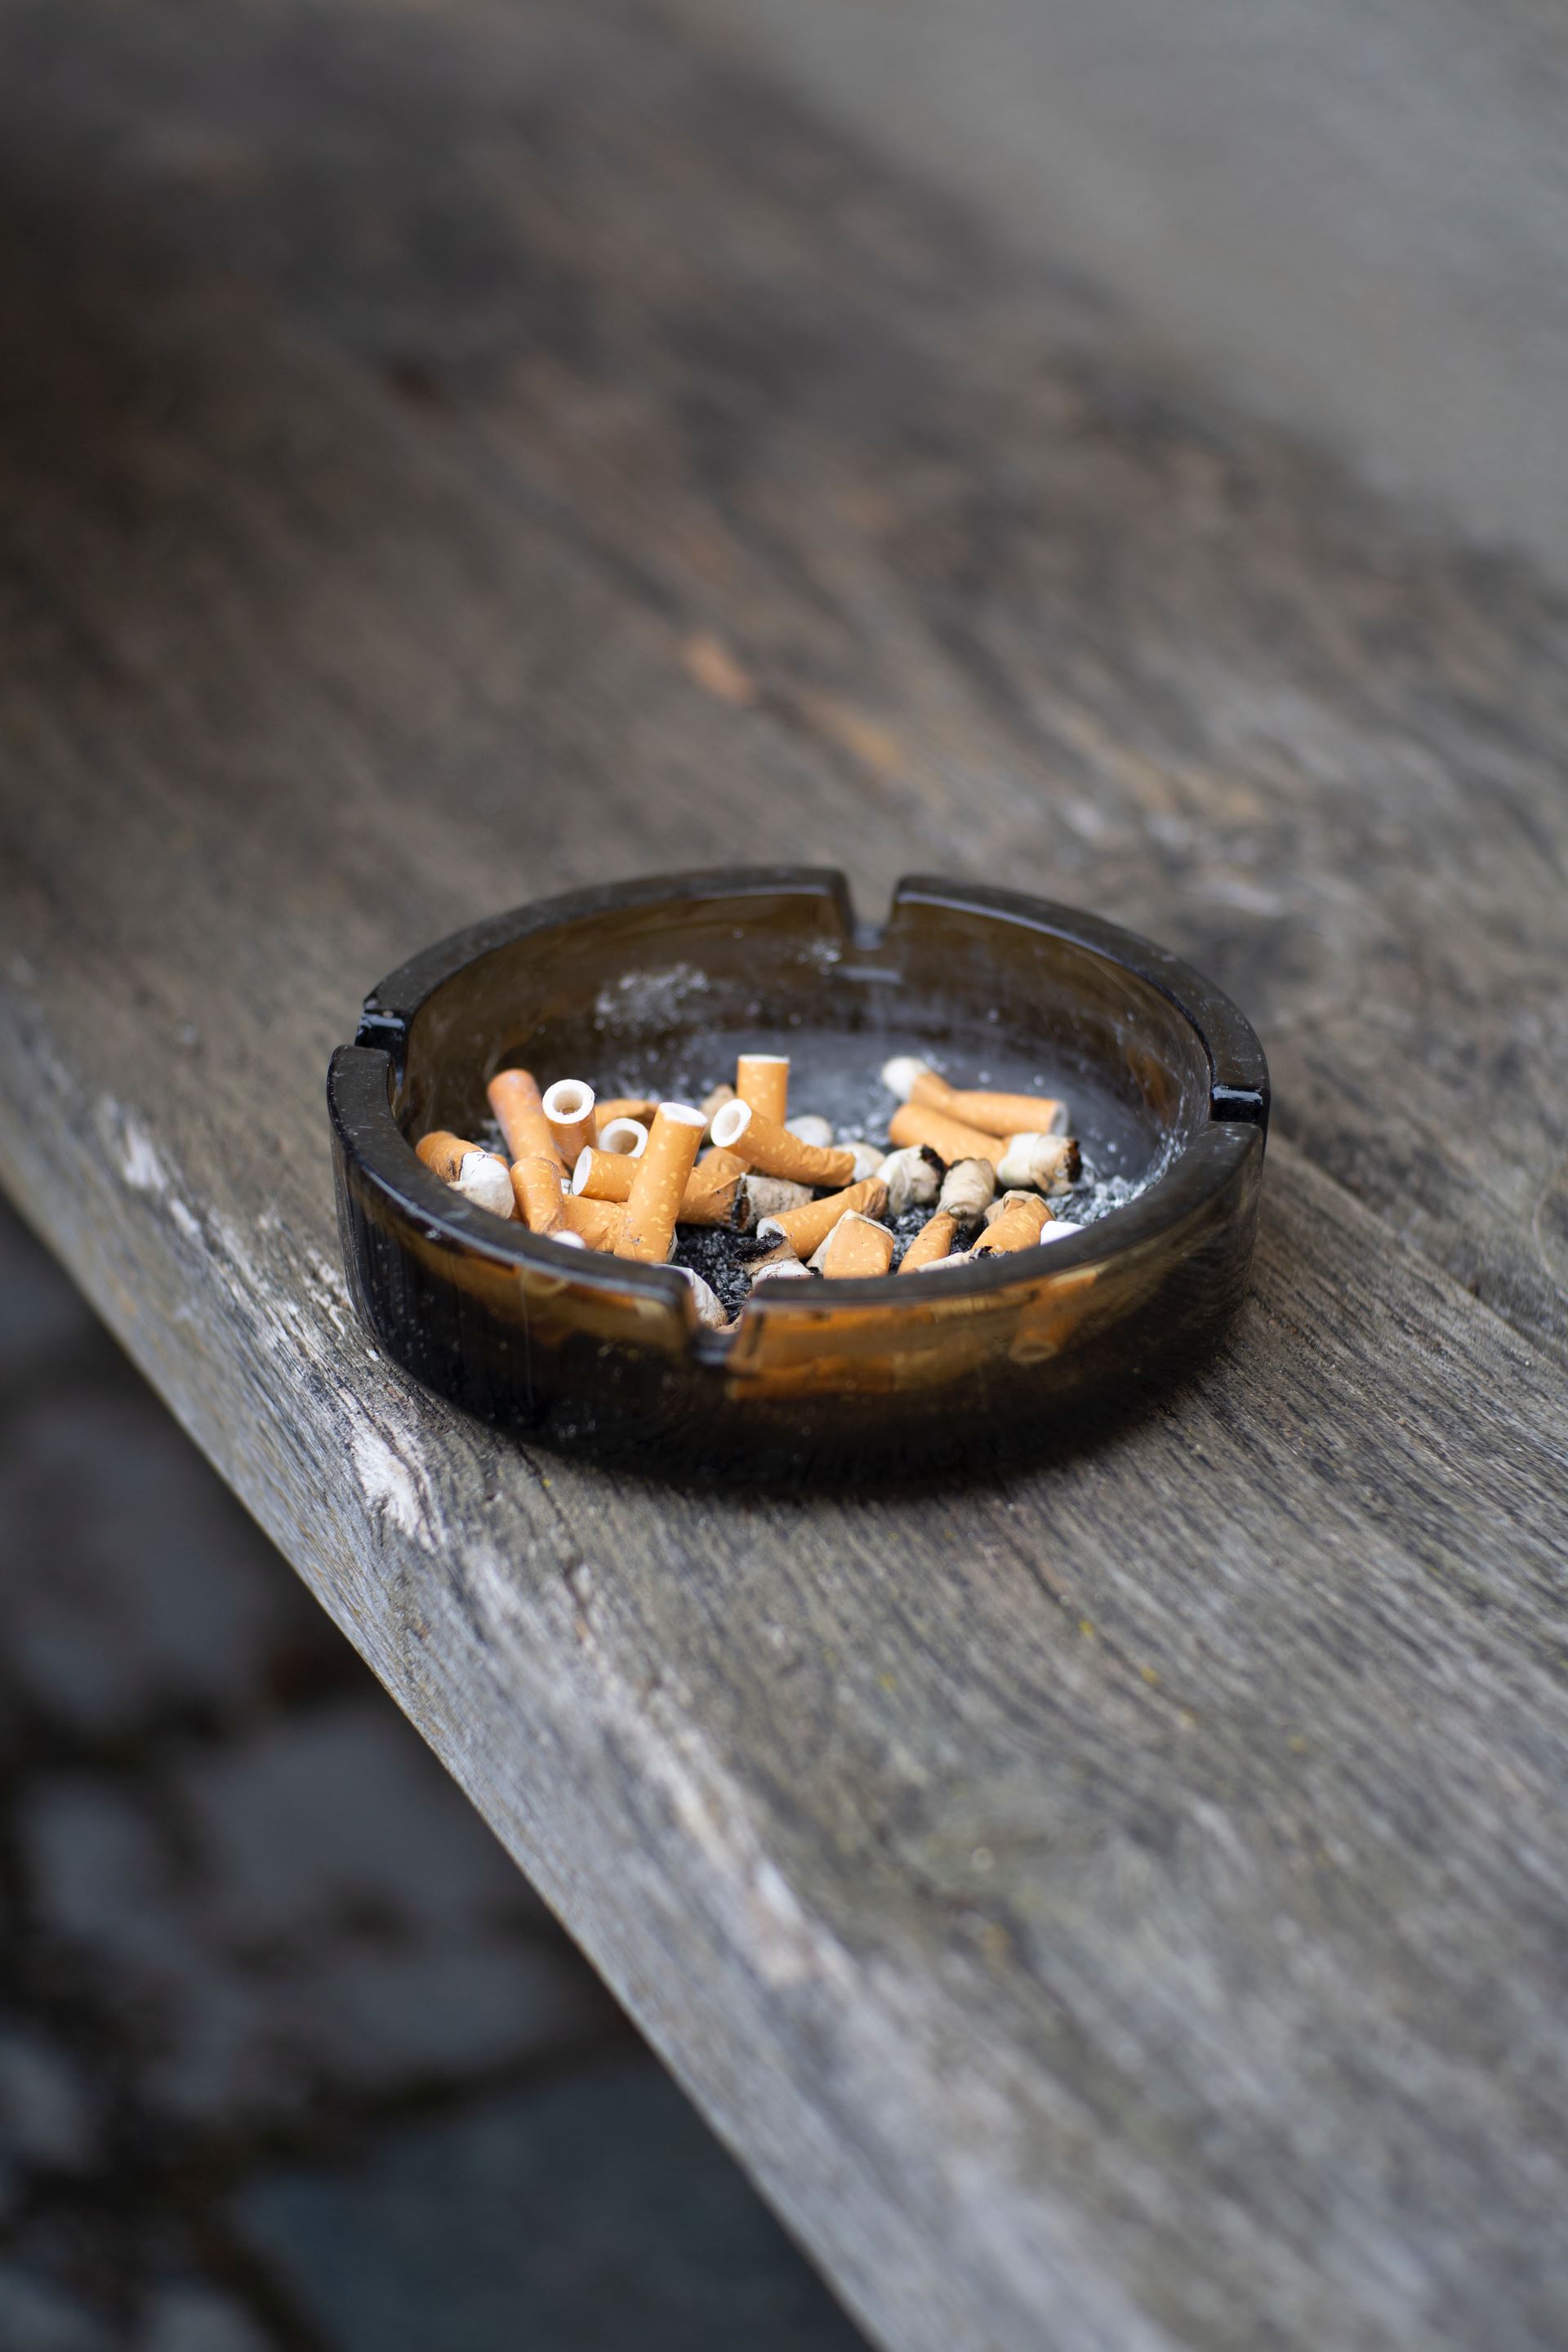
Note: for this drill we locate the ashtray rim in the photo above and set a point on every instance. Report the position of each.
(361, 1108)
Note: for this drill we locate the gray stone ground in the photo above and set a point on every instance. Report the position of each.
(290, 2054)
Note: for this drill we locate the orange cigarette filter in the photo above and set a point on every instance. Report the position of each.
(857, 1250)
(518, 1108)
(994, 1114)
(773, 1151)
(603, 1175)
(934, 1240)
(569, 1108)
(762, 1080)
(918, 1123)
(659, 1182)
(710, 1195)
(806, 1229)
(469, 1167)
(536, 1184)
(638, 1106)
(601, 1223)
(1022, 1219)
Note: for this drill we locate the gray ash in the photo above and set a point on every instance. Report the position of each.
(722, 1256)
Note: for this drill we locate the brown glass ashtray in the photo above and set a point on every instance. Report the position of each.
(652, 986)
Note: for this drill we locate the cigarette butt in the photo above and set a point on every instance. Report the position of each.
(1058, 1229)
(857, 1250)
(779, 1269)
(773, 1151)
(708, 1308)
(767, 1196)
(934, 1240)
(912, 1176)
(811, 1128)
(536, 1187)
(518, 1108)
(628, 1137)
(806, 1229)
(603, 1175)
(638, 1106)
(762, 1080)
(600, 1224)
(1049, 1163)
(1003, 1114)
(967, 1188)
(712, 1189)
(569, 1108)
(868, 1158)
(660, 1179)
(940, 1264)
(915, 1081)
(917, 1123)
(468, 1169)
(1016, 1226)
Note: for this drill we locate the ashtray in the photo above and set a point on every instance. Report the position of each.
(658, 982)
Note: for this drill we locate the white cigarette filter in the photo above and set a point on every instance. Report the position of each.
(915, 1081)
(912, 1176)
(569, 1108)
(660, 1182)
(468, 1169)
(773, 1151)
(762, 1080)
(1020, 1218)
(1049, 1163)
(934, 1241)
(967, 1190)
(536, 1188)
(603, 1175)
(768, 1196)
(951, 1138)
(626, 1136)
(806, 1228)
(780, 1269)
(868, 1158)
(812, 1129)
(857, 1250)
(519, 1110)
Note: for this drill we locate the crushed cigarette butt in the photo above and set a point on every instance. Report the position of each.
(469, 1169)
(857, 1249)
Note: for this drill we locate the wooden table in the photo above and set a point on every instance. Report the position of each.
(449, 454)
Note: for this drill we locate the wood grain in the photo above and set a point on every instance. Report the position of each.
(1121, 1907)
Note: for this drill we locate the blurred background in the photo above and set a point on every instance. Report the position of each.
(289, 2052)
(287, 2046)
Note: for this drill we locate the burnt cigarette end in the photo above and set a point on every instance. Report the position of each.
(1047, 1162)
(912, 1176)
(967, 1190)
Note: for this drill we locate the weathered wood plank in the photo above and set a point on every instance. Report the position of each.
(1122, 1906)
